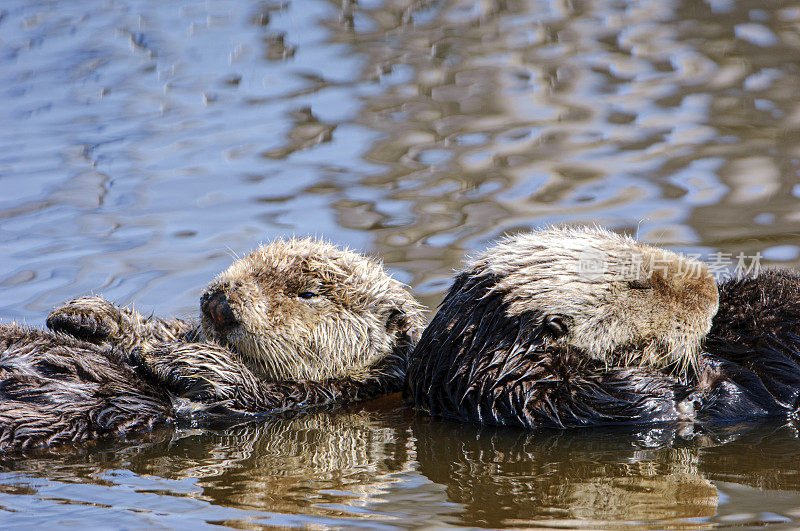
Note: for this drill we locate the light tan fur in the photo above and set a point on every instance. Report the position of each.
(622, 301)
(354, 318)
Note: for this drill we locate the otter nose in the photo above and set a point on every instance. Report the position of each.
(215, 305)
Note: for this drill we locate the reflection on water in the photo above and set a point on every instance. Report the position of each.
(383, 466)
(663, 475)
(504, 478)
(147, 142)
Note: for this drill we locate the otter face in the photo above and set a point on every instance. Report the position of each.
(304, 310)
(616, 299)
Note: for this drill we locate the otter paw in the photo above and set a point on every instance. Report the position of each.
(172, 366)
(89, 318)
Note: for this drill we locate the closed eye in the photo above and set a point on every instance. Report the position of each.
(639, 284)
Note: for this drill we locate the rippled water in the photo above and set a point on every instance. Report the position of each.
(145, 143)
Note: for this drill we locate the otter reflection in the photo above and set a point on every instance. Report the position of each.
(507, 477)
(657, 473)
(346, 458)
(319, 463)
(387, 465)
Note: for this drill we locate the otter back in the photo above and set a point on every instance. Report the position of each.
(476, 362)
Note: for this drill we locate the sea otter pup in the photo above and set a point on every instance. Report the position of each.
(295, 323)
(566, 327)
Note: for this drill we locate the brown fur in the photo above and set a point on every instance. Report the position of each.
(528, 335)
(619, 300)
(751, 364)
(294, 324)
(492, 354)
(56, 389)
(353, 316)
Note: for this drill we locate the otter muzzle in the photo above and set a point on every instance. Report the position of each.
(215, 305)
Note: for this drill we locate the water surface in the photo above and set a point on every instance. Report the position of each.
(147, 143)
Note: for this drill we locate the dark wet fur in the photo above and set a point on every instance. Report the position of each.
(475, 363)
(211, 374)
(168, 352)
(751, 363)
(55, 388)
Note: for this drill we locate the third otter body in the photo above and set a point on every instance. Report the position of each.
(295, 323)
(750, 366)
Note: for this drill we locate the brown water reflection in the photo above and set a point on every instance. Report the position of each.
(385, 466)
(146, 142)
(514, 478)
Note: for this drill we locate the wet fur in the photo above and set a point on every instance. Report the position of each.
(751, 364)
(488, 356)
(211, 375)
(307, 310)
(626, 328)
(749, 367)
(157, 371)
(476, 362)
(620, 301)
(56, 389)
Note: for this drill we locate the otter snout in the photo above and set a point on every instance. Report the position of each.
(215, 305)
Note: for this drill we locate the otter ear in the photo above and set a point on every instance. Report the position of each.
(555, 325)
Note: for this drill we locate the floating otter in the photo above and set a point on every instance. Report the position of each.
(566, 327)
(296, 323)
(583, 327)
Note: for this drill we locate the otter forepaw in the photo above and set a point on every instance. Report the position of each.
(89, 318)
(187, 369)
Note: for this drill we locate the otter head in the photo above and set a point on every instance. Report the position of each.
(616, 299)
(303, 309)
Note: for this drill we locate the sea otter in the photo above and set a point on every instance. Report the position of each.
(295, 323)
(565, 327)
(583, 327)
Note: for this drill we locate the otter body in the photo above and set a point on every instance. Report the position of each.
(750, 366)
(294, 324)
(477, 363)
(55, 389)
(529, 336)
(565, 327)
